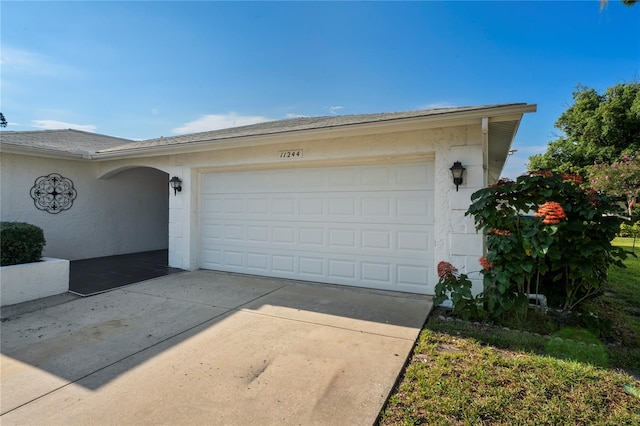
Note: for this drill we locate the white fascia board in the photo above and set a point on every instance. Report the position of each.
(42, 152)
(451, 119)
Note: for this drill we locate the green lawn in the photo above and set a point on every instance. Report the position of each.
(463, 373)
(621, 306)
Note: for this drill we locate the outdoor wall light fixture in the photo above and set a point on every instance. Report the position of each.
(176, 184)
(457, 170)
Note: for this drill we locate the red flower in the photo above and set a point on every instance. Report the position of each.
(551, 212)
(577, 179)
(445, 270)
(485, 263)
(545, 173)
(503, 232)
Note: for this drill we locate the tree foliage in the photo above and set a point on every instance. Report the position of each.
(603, 3)
(3, 121)
(597, 128)
(619, 179)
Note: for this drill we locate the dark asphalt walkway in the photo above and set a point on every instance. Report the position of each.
(92, 276)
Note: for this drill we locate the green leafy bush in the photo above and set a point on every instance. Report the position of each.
(20, 243)
(630, 230)
(545, 234)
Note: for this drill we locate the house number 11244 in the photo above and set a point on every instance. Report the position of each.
(291, 155)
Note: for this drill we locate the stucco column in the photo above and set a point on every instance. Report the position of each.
(441, 226)
(180, 235)
(456, 240)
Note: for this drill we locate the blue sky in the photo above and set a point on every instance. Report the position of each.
(152, 68)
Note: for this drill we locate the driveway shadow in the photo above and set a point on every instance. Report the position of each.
(250, 326)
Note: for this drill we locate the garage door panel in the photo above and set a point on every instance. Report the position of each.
(412, 206)
(341, 238)
(284, 235)
(376, 239)
(382, 177)
(336, 268)
(342, 270)
(376, 272)
(257, 234)
(258, 261)
(233, 258)
(342, 206)
(258, 206)
(284, 263)
(372, 207)
(211, 204)
(412, 275)
(311, 206)
(403, 241)
(375, 176)
(233, 232)
(311, 236)
(413, 240)
(312, 266)
(368, 226)
(232, 206)
(211, 258)
(376, 207)
(415, 174)
(212, 231)
(311, 179)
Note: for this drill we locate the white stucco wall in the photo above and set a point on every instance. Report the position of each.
(31, 281)
(455, 239)
(126, 213)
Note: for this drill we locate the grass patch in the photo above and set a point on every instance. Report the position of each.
(457, 380)
(625, 282)
(577, 345)
(621, 306)
(498, 337)
(531, 372)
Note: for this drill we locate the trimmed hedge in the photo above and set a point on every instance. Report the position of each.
(20, 243)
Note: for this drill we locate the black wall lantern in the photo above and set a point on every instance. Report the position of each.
(457, 170)
(176, 184)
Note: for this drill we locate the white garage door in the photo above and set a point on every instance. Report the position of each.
(367, 226)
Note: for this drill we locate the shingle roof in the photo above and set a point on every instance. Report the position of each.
(79, 143)
(295, 124)
(68, 141)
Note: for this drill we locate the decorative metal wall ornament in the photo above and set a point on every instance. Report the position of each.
(53, 193)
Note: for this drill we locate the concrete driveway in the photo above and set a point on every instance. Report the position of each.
(209, 348)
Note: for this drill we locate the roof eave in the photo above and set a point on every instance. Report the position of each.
(9, 148)
(500, 147)
(449, 119)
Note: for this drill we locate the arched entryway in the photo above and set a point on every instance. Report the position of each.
(132, 216)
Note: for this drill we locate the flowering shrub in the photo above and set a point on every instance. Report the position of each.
(577, 179)
(545, 234)
(446, 270)
(551, 213)
(486, 265)
(458, 288)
